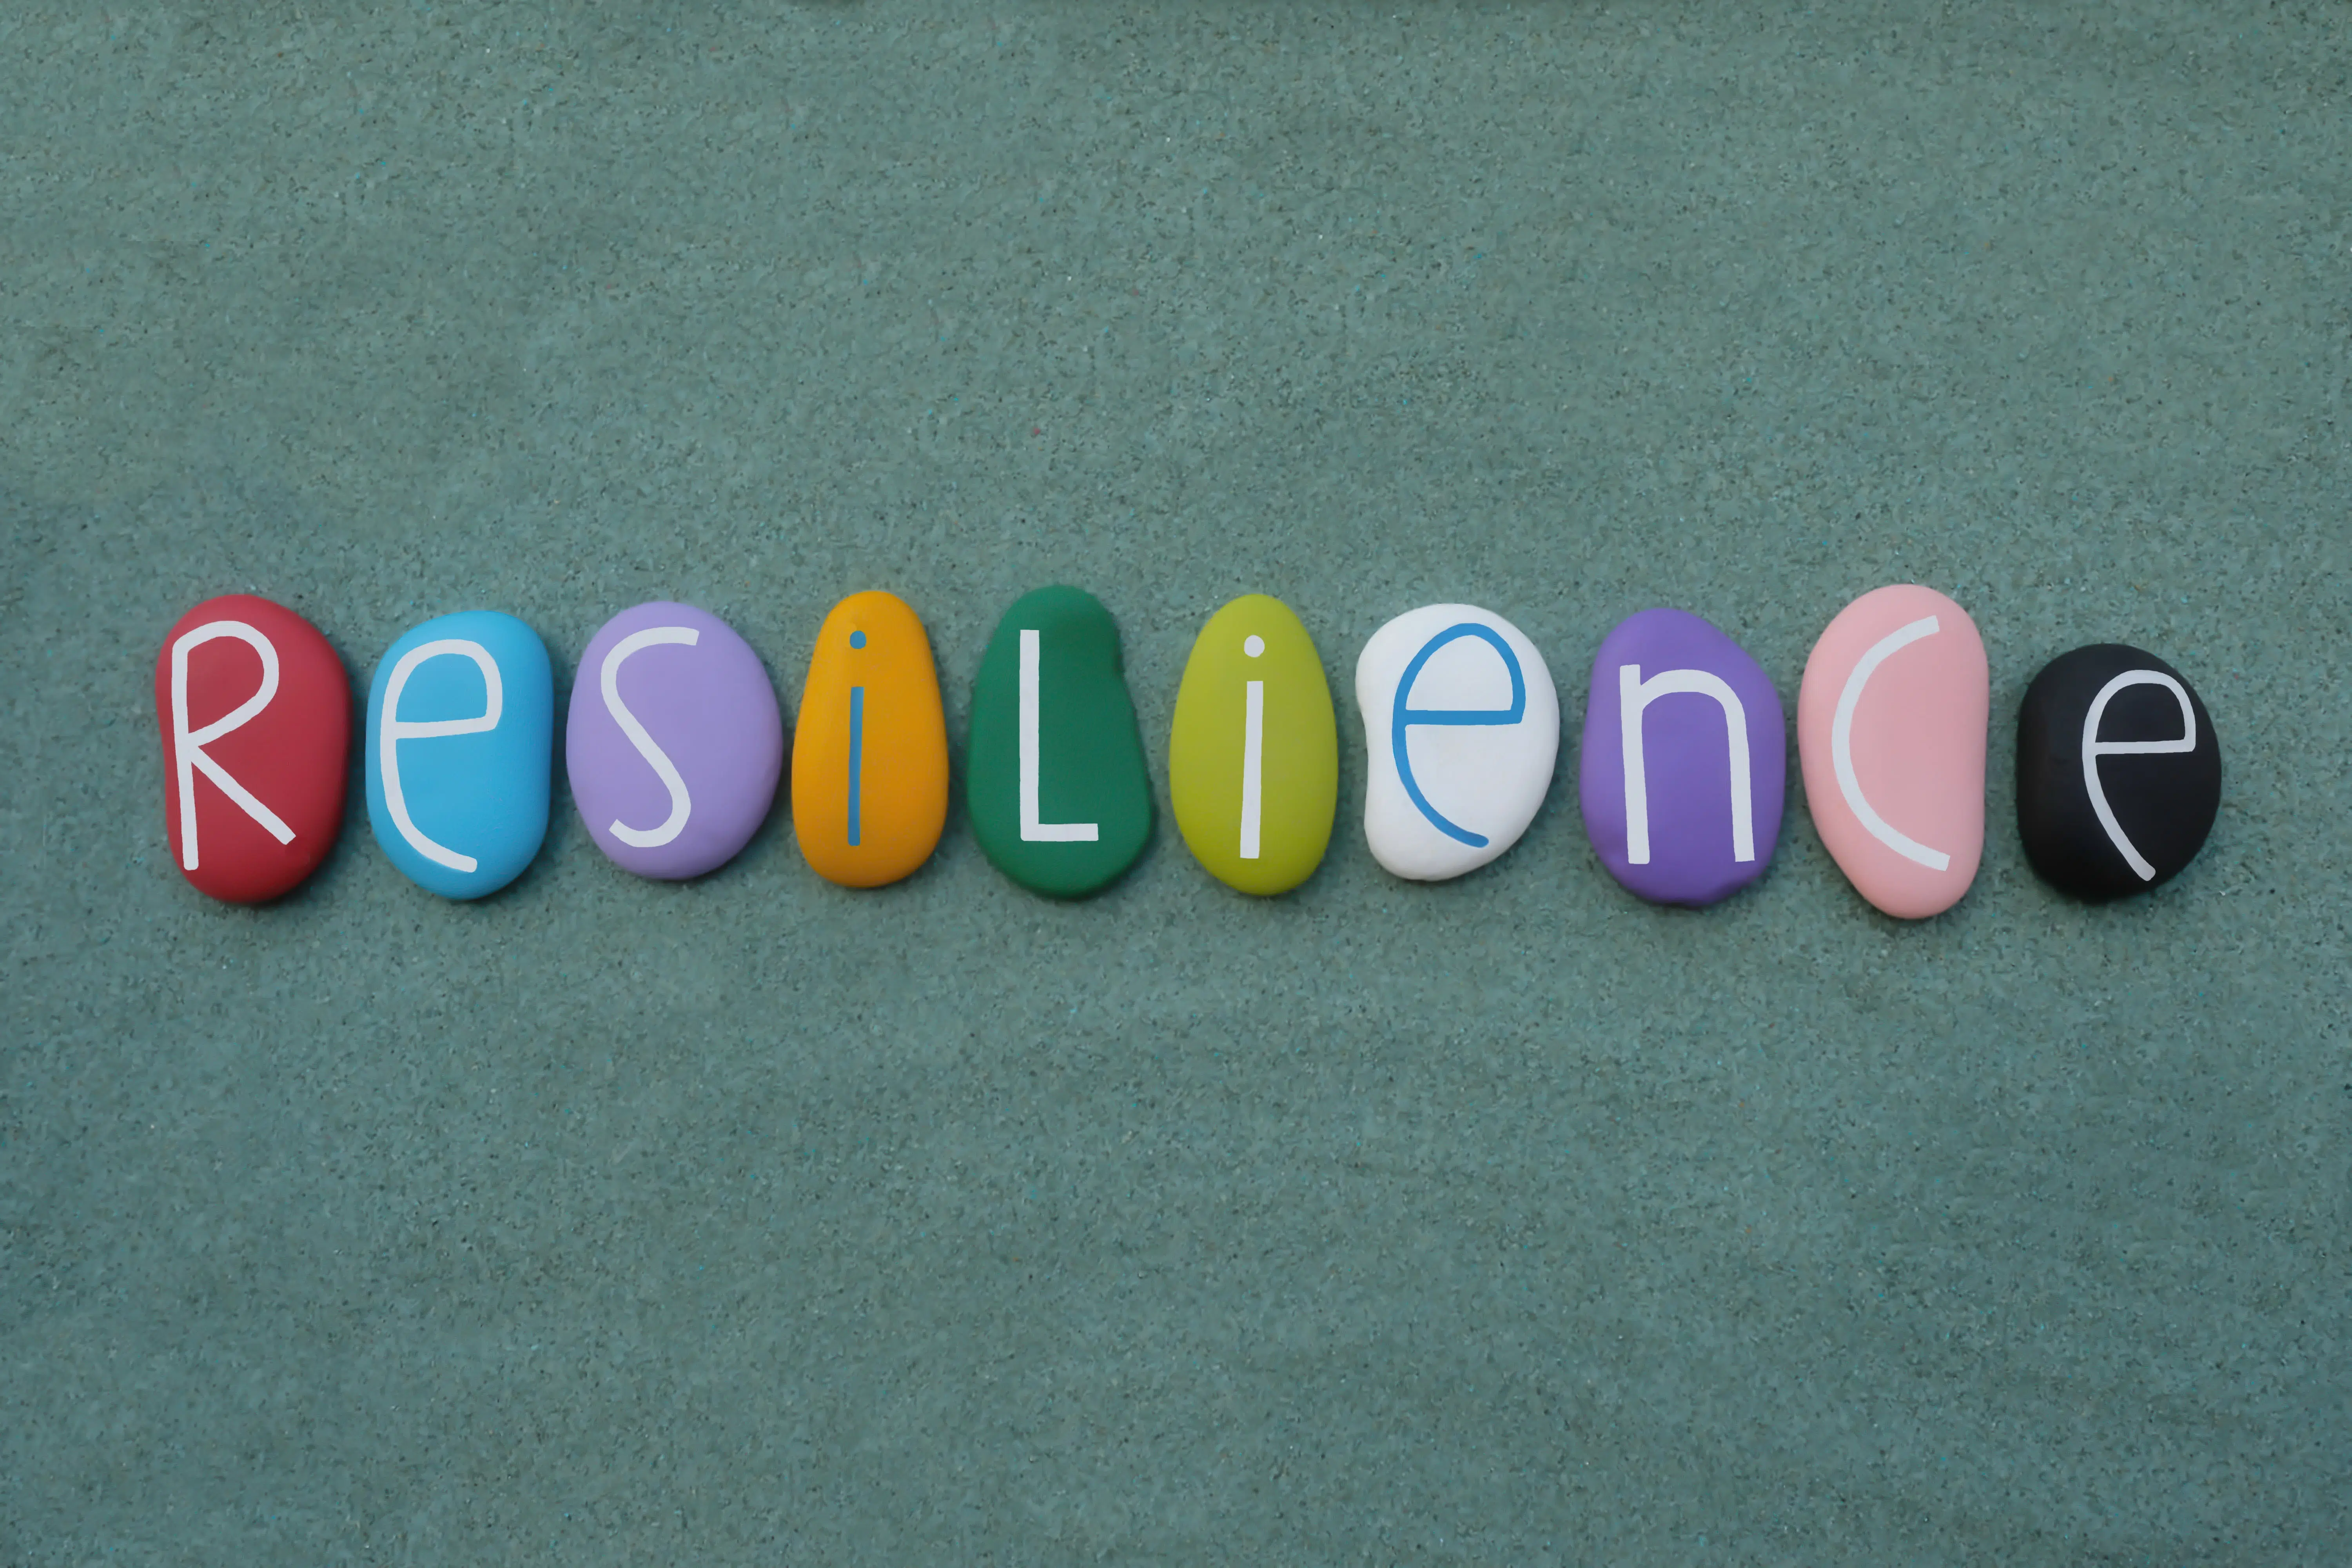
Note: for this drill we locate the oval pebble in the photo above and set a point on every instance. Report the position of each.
(1461, 734)
(255, 711)
(870, 752)
(2118, 772)
(1684, 764)
(1891, 731)
(1254, 749)
(1059, 796)
(460, 746)
(674, 744)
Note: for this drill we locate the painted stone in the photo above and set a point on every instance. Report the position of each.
(1059, 798)
(1461, 732)
(256, 712)
(2118, 772)
(1254, 751)
(674, 744)
(1685, 760)
(460, 741)
(870, 752)
(1891, 728)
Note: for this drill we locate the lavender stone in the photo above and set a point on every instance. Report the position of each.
(675, 742)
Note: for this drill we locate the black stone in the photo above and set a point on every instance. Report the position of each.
(2163, 802)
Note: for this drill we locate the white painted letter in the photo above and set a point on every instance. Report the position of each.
(1841, 747)
(681, 806)
(393, 729)
(1031, 830)
(1634, 694)
(2093, 748)
(1252, 768)
(188, 746)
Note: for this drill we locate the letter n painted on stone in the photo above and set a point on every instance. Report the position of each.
(1635, 694)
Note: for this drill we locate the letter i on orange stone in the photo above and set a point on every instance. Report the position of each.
(870, 747)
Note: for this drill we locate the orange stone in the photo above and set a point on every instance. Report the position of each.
(870, 749)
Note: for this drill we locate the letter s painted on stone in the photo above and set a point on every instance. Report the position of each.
(681, 804)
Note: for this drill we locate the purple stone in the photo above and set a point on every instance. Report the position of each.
(675, 742)
(1708, 752)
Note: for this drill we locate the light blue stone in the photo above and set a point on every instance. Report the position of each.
(457, 782)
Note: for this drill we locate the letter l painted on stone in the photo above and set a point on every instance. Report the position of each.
(1033, 830)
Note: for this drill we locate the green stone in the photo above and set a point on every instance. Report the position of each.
(1076, 816)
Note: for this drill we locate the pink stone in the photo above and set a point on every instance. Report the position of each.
(1891, 727)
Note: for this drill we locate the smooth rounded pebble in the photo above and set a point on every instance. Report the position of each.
(1891, 724)
(1685, 760)
(1461, 732)
(1254, 749)
(870, 752)
(256, 712)
(1055, 783)
(460, 746)
(2118, 772)
(674, 743)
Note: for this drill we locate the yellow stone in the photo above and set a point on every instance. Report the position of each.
(1254, 754)
(870, 751)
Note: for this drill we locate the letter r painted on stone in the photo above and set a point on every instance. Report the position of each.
(188, 758)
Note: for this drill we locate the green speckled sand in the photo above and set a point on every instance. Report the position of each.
(1507, 1220)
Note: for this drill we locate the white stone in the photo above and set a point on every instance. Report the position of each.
(1476, 778)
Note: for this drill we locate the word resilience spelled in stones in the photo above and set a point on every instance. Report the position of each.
(675, 747)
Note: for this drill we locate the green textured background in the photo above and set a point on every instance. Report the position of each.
(1503, 1222)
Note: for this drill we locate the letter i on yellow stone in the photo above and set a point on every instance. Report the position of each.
(870, 750)
(1254, 754)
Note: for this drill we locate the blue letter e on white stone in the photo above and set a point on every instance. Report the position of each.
(460, 739)
(1461, 729)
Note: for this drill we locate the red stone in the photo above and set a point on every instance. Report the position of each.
(264, 788)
